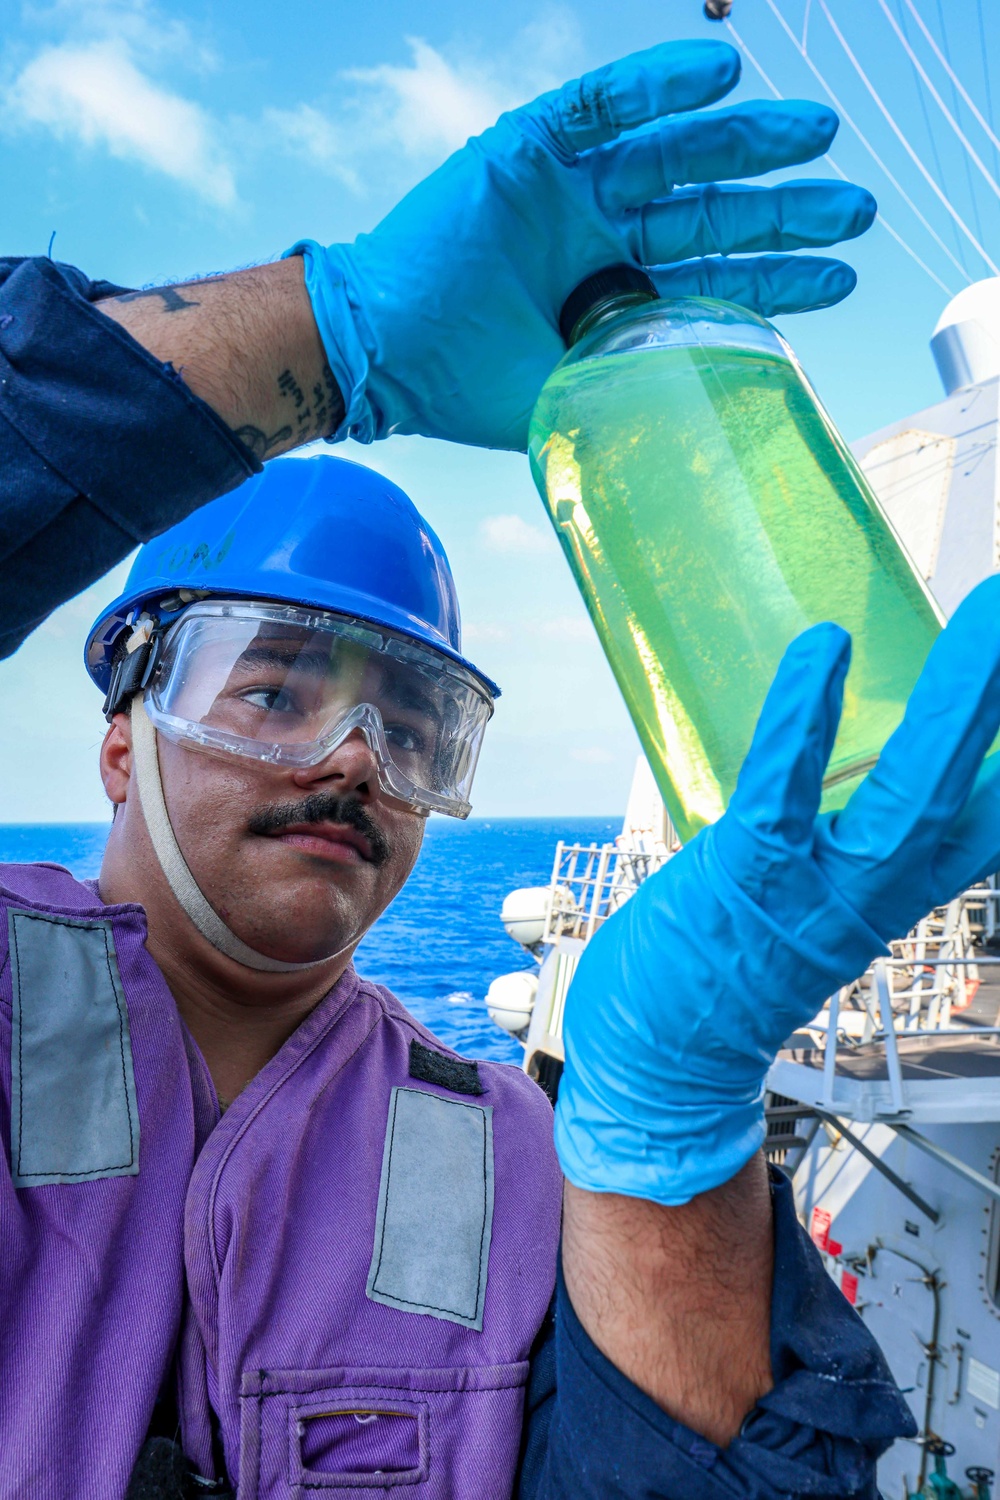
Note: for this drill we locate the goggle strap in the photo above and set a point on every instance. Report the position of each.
(188, 893)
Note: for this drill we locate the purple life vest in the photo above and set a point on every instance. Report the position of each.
(369, 1233)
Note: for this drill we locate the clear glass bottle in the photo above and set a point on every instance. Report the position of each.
(710, 512)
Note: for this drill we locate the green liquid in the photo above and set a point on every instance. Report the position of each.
(711, 512)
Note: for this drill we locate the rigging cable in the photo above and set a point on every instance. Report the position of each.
(837, 171)
(849, 120)
(985, 60)
(970, 149)
(945, 201)
(751, 59)
(953, 76)
(921, 100)
(958, 113)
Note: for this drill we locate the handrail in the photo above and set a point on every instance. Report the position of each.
(830, 1055)
(938, 963)
(889, 1032)
(906, 1188)
(591, 881)
(953, 1163)
(922, 1011)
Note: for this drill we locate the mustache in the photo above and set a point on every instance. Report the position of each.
(324, 807)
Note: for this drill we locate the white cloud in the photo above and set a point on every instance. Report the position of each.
(100, 85)
(308, 132)
(510, 534)
(567, 629)
(146, 28)
(548, 48)
(428, 107)
(484, 635)
(95, 93)
(592, 755)
(431, 104)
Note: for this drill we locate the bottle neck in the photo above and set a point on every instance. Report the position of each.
(605, 309)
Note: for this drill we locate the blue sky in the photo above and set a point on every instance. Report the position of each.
(163, 142)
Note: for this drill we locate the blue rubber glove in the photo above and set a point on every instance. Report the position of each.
(683, 998)
(444, 320)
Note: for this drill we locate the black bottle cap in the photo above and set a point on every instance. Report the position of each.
(612, 281)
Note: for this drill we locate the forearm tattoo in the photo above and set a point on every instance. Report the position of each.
(260, 444)
(320, 412)
(298, 411)
(170, 296)
(313, 416)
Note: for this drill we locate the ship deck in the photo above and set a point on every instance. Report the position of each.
(951, 1075)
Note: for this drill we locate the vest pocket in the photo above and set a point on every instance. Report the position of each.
(430, 1434)
(341, 1440)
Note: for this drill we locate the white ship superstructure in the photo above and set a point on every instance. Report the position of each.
(885, 1110)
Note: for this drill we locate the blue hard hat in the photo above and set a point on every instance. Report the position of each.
(322, 532)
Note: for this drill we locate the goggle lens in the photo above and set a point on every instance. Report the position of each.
(280, 684)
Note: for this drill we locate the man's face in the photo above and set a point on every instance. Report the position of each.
(298, 862)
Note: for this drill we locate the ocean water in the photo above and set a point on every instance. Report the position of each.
(440, 943)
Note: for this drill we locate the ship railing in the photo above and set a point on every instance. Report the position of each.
(591, 881)
(930, 975)
(788, 1115)
(884, 1026)
(919, 991)
(949, 932)
(927, 989)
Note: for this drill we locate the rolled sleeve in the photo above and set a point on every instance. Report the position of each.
(101, 445)
(833, 1410)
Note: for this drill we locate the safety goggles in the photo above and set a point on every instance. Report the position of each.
(287, 685)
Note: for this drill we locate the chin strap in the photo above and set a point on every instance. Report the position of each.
(146, 768)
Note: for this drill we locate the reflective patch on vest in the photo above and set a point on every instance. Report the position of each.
(435, 1208)
(74, 1115)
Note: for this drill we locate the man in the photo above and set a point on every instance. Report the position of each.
(261, 1230)
(263, 1233)
(307, 1350)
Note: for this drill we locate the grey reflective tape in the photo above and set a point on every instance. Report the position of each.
(74, 1116)
(435, 1208)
